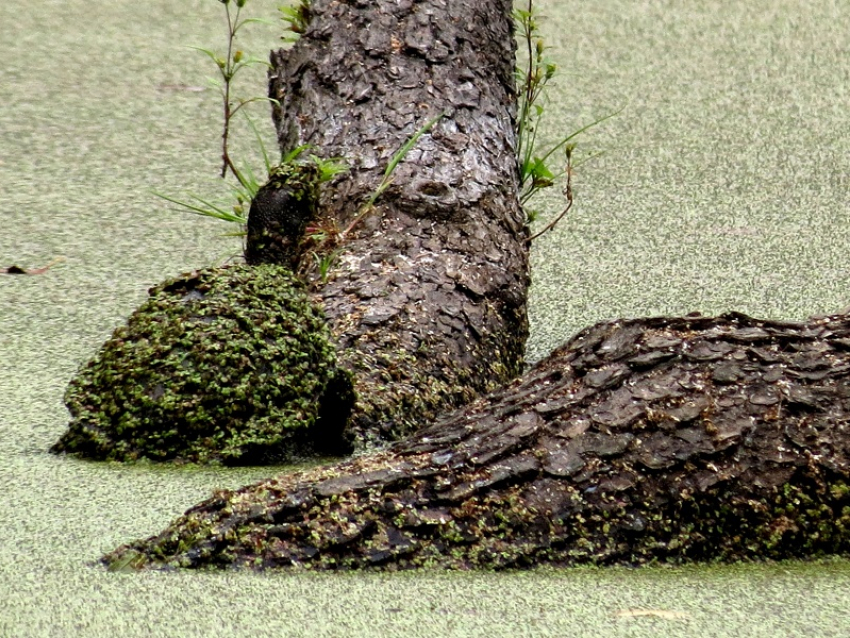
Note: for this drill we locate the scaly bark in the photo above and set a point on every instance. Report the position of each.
(427, 299)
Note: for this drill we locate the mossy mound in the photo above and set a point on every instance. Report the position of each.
(230, 365)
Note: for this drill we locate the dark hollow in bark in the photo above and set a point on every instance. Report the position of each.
(427, 298)
(660, 439)
(280, 212)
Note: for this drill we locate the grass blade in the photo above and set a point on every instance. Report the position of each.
(404, 150)
(206, 209)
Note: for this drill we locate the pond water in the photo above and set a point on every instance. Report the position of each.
(723, 185)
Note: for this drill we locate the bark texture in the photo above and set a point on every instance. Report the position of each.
(427, 298)
(661, 439)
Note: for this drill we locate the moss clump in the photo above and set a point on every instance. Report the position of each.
(231, 365)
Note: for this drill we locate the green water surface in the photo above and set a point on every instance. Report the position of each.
(723, 185)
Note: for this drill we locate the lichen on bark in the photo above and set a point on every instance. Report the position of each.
(230, 365)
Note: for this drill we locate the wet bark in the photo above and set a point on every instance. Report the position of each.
(661, 439)
(427, 298)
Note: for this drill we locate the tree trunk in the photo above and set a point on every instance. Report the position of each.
(663, 439)
(428, 298)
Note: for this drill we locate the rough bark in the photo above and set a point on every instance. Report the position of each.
(427, 299)
(662, 439)
(426, 294)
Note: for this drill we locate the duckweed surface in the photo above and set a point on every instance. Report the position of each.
(723, 186)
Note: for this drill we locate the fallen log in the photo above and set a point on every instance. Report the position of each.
(638, 441)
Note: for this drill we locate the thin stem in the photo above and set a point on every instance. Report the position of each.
(529, 89)
(227, 74)
(568, 193)
(528, 81)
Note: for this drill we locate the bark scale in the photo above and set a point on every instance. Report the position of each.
(427, 299)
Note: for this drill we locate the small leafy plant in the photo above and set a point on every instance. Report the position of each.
(532, 78)
(243, 192)
(297, 18)
(229, 66)
(328, 168)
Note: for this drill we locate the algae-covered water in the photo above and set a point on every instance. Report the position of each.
(723, 185)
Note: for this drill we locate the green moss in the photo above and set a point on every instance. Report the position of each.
(398, 392)
(223, 364)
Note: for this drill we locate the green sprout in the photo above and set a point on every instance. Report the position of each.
(297, 18)
(387, 179)
(248, 182)
(532, 78)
